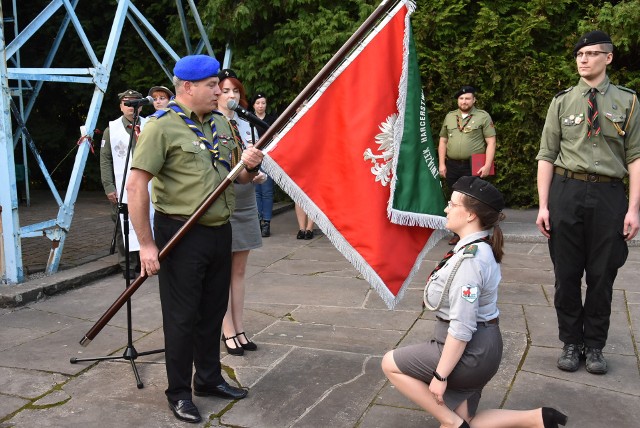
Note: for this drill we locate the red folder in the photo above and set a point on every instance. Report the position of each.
(477, 162)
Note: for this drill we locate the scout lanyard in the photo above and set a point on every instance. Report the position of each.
(445, 290)
(212, 147)
(462, 123)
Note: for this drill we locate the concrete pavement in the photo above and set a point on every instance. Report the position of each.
(321, 332)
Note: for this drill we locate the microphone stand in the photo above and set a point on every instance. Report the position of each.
(130, 352)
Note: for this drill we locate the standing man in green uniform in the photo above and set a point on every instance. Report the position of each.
(183, 149)
(590, 142)
(115, 140)
(465, 132)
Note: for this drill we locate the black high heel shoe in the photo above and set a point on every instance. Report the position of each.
(238, 350)
(551, 418)
(249, 346)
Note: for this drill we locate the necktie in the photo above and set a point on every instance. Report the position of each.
(594, 123)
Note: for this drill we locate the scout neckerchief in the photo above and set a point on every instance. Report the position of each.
(462, 123)
(445, 290)
(212, 147)
(592, 119)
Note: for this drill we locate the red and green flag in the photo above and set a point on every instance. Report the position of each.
(360, 153)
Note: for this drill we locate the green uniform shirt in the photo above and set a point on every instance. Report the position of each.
(467, 136)
(564, 137)
(106, 159)
(181, 165)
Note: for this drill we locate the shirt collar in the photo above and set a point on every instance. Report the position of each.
(190, 114)
(472, 111)
(470, 238)
(584, 87)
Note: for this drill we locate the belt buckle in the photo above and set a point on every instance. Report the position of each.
(593, 178)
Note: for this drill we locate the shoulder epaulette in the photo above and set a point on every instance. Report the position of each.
(159, 113)
(564, 91)
(626, 89)
(471, 249)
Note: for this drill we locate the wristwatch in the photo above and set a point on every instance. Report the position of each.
(440, 378)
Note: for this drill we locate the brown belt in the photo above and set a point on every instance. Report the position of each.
(593, 178)
(181, 218)
(493, 321)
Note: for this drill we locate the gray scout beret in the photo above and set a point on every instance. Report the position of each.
(481, 190)
(591, 38)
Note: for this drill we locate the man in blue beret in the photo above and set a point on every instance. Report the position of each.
(590, 143)
(183, 149)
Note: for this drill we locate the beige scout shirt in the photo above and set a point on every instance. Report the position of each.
(181, 165)
(466, 136)
(564, 137)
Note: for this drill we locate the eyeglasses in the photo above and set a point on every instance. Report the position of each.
(589, 54)
(452, 204)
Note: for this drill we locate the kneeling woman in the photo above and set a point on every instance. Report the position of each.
(446, 375)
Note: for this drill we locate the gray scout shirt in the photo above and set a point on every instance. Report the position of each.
(473, 294)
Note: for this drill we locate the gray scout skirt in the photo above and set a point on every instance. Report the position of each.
(478, 364)
(245, 224)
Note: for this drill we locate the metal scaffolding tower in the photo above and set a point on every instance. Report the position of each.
(17, 82)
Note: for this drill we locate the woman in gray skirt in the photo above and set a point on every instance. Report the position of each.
(446, 375)
(245, 225)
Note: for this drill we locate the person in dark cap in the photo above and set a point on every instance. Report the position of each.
(113, 153)
(445, 376)
(161, 96)
(590, 143)
(465, 132)
(188, 151)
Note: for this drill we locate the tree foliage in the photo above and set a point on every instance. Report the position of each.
(516, 53)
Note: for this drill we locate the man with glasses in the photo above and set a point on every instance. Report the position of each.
(113, 154)
(590, 143)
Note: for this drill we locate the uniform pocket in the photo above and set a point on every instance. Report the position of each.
(197, 157)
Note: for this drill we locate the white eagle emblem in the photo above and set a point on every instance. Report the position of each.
(382, 162)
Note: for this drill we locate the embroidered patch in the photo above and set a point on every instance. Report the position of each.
(103, 143)
(470, 293)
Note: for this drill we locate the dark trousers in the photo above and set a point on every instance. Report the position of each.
(586, 237)
(194, 292)
(455, 170)
(134, 256)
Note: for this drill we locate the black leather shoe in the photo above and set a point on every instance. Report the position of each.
(300, 234)
(308, 234)
(224, 390)
(185, 410)
(569, 360)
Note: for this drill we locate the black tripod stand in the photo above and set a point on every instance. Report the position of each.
(130, 352)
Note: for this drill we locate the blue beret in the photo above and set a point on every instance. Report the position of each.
(196, 67)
